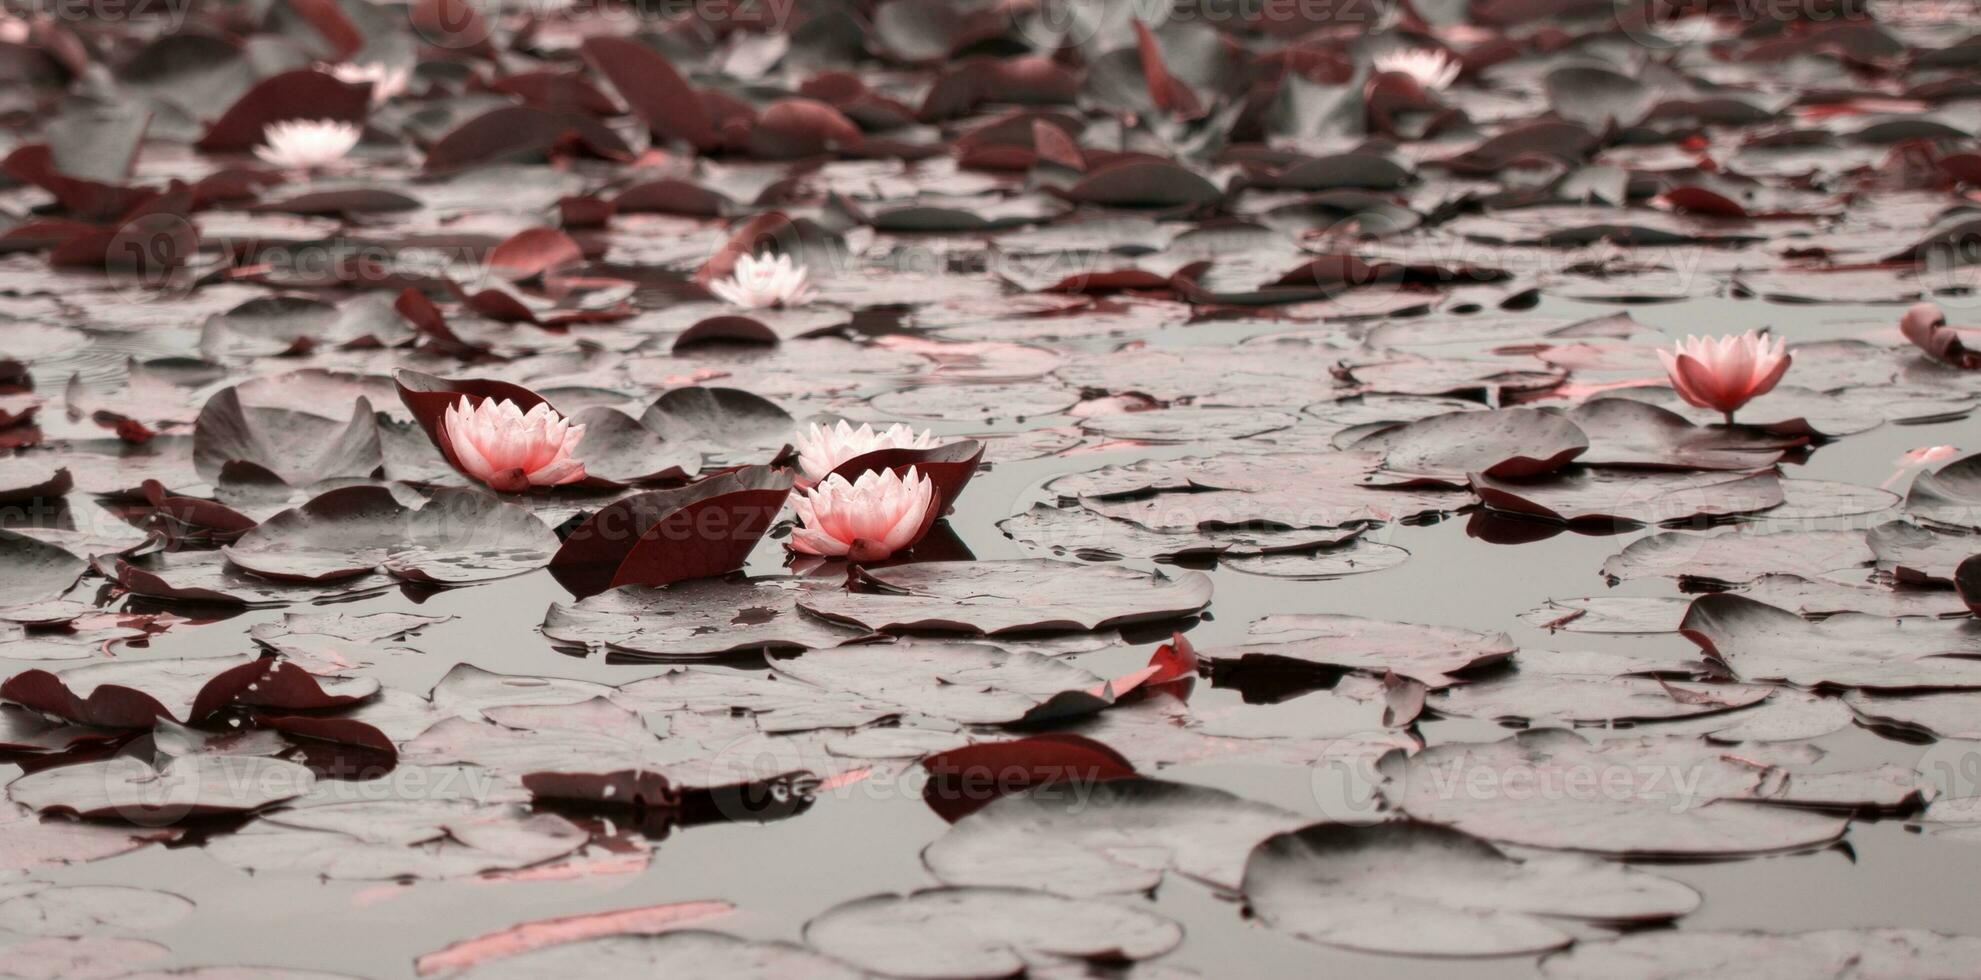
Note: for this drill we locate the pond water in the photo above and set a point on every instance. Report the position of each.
(866, 837)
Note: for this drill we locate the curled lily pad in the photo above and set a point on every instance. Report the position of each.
(459, 537)
(1418, 889)
(663, 536)
(234, 441)
(1756, 641)
(1950, 496)
(133, 694)
(1020, 595)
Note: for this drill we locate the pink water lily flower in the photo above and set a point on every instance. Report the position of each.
(1724, 373)
(869, 519)
(512, 450)
(822, 449)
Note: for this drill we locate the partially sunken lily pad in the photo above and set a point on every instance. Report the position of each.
(1626, 432)
(1415, 889)
(985, 932)
(1021, 595)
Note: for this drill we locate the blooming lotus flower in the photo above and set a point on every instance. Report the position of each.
(1725, 373)
(305, 144)
(512, 450)
(821, 450)
(1916, 458)
(14, 30)
(1432, 68)
(386, 80)
(866, 520)
(762, 281)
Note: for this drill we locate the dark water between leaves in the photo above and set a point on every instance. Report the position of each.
(866, 838)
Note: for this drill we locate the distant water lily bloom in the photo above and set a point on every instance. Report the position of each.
(1724, 373)
(763, 281)
(386, 80)
(306, 144)
(822, 449)
(869, 519)
(512, 450)
(1916, 458)
(1432, 68)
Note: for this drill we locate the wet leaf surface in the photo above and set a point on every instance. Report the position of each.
(1019, 596)
(1419, 889)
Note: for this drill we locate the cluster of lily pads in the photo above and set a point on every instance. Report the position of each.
(696, 330)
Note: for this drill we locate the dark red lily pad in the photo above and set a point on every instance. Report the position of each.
(133, 694)
(704, 529)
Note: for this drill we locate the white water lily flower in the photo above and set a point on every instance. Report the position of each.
(762, 281)
(1432, 68)
(881, 513)
(306, 144)
(386, 80)
(821, 450)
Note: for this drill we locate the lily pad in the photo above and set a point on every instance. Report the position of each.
(1012, 596)
(1416, 889)
(985, 932)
